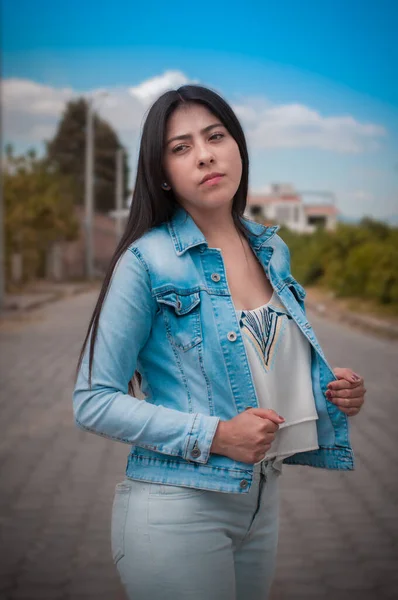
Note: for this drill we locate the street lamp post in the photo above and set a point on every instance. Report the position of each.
(2, 251)
(89, 186)
(119, 193)
(89, 190)
(2, 227)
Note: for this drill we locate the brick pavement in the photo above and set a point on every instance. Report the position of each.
(339, 531)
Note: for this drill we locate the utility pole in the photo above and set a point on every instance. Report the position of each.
(89, 184)
(89, 190)
(2, 242)
(119, 194)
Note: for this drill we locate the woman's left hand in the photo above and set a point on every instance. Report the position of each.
(348, 393)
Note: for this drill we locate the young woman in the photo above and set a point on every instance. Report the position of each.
(199, 305)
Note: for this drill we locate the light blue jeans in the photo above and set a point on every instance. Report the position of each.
(179, 543)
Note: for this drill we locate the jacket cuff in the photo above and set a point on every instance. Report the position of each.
(200, 438)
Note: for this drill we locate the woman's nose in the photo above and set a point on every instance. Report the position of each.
(205, 156)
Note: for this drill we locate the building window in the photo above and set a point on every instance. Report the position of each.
(319, 221)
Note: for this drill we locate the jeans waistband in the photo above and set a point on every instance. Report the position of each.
(264, 467)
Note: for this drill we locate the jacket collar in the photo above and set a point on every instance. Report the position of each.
(186, 234)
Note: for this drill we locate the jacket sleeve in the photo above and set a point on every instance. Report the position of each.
(106, 408)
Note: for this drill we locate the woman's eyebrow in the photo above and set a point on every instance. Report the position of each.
(186, 136)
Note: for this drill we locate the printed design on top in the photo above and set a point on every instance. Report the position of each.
(264, 328)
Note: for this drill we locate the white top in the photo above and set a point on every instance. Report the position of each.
(279, 356)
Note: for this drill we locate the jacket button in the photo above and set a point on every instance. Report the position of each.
(196, 453)
(231, 336)
(215, 277)
(243, 484)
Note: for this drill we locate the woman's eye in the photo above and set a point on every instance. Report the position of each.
(214, 134)
(177, 148)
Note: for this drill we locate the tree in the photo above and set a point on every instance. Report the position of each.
(39, 210)
(67, 152)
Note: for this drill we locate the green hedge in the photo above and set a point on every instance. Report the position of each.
(353, 261)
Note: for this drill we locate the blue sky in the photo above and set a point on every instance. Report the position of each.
(321, 77)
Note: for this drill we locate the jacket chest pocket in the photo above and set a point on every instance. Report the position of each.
(181, 313)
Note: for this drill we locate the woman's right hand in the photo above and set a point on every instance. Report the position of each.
(248, 436)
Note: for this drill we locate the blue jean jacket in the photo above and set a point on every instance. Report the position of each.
(169, 314)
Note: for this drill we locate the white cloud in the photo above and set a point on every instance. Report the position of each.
(149, 90)
(298, 126)
(32, 110)
(24, 96)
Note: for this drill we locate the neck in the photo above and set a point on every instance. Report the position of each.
(217, 225)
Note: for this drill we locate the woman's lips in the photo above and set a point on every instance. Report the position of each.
(213, 180)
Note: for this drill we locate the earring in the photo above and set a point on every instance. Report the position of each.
(165, 186)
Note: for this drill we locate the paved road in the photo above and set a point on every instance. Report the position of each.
(339, 530)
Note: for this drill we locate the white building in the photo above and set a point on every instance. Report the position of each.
(283, 205)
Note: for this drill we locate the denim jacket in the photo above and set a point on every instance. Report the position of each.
(169, 314)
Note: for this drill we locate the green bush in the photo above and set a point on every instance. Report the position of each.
(353, 261)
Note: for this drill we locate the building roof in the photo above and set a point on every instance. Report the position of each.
(320, 209)
(257, 200)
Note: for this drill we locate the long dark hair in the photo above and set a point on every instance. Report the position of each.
(151, 205)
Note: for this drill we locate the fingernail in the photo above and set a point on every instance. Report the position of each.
(329, 394)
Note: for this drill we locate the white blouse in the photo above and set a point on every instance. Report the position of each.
(279, 356)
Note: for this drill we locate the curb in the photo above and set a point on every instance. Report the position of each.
(366, 323)
(14, 308)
